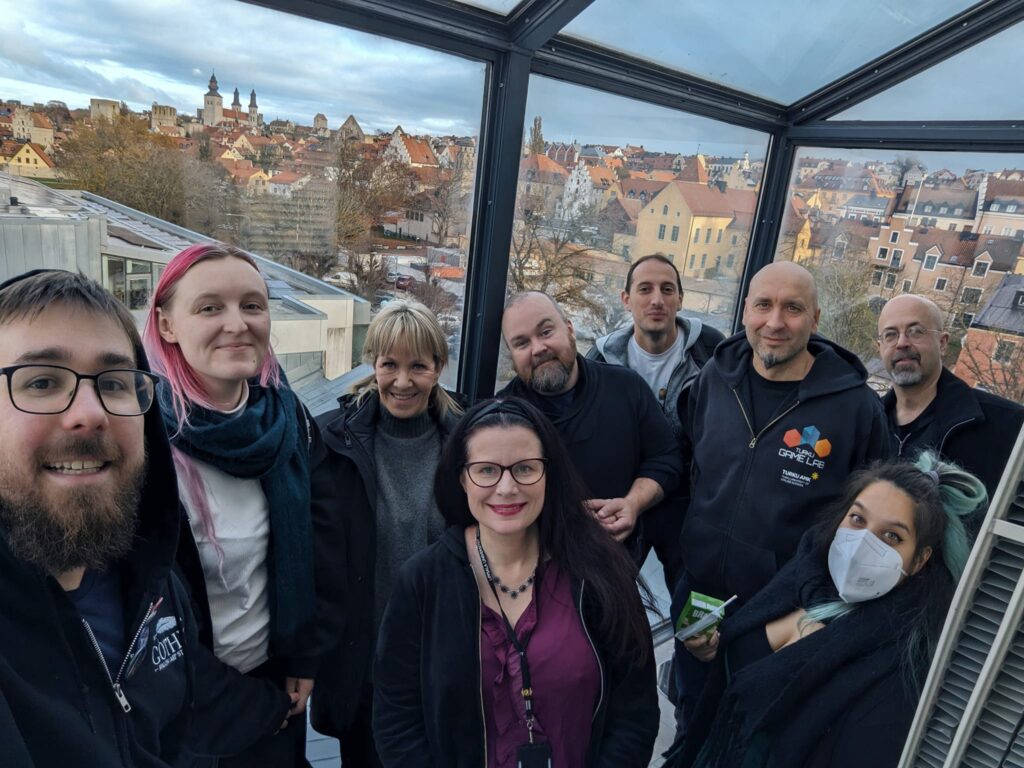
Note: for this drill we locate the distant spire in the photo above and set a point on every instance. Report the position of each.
(252, 99)
(236, 102)
(213, 82)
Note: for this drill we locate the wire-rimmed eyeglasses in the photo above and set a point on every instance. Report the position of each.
(50, 389)
(487, 474)
(914, 333)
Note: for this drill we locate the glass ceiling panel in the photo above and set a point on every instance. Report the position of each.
(780, 51)
(930, 95)
(504, 7)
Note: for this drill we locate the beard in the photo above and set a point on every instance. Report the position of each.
(907, 377)
(91, 527)
(771, 359)
(550, 379)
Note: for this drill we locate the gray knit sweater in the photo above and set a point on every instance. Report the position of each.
(406, 453)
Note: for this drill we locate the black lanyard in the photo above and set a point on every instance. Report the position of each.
(527, 689)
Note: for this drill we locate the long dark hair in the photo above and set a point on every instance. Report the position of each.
(943, 495)
(568, 532)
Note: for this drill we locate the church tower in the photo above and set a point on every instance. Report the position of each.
(254, 115)
(213, 104)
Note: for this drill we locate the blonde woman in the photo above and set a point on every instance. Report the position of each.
(373, 505)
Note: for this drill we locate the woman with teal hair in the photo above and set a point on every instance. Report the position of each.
(824, 666)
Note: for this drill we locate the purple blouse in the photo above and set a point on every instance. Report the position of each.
(564, 670)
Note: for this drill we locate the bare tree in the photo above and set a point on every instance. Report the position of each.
(369, 274)
(548, 254)
(998, 369)
(445, 204)
(121, 160)
(846, 314)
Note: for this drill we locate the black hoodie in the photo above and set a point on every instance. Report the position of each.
(753, 496)
(58, 706)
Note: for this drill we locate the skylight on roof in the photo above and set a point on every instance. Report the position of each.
(780, 51)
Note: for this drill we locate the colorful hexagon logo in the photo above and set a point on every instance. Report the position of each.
(823, 448)
(792, 438)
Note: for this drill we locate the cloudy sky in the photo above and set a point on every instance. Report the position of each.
(164, 51)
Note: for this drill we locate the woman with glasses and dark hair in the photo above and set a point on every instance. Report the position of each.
(241, 441)
(372, 505)
(520, 638)
(824, 666)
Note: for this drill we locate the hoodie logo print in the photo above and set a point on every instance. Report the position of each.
(807, 448)
(167, 645)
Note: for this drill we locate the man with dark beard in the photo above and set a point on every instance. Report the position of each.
(777, 420)
(620, 441)
(930, 408)
(100, 663)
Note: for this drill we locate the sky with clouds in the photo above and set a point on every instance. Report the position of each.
(164, 51)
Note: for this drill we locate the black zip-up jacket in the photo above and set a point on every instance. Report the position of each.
(428, 705)
(169, 699)
(615, 430)
(754, 495)
(344, 504)
(973, 428)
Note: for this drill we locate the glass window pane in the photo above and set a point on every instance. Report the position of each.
(928, 95)
(312, 146)
(504, 7)
(605, 180)
(870, 224)
(781, 51)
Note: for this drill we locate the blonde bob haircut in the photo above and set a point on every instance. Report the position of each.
(411, 325)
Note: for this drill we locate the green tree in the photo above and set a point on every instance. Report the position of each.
(536, 143)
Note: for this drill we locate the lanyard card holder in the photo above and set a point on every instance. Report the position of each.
(533, 756)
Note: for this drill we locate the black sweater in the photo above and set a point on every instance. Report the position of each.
(614, 430)
(428, 707)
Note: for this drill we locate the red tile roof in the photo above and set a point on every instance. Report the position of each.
(703, 200)
(542, 169)
(419, 151)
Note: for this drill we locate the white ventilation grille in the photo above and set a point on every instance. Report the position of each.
(972, 708)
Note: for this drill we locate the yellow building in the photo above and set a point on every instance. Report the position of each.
(703, 228)
(26, 160)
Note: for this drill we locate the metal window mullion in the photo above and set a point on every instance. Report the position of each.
(768, 215)
(501, 144)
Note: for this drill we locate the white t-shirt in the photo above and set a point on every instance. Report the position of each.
(656, 370)
(237, 590)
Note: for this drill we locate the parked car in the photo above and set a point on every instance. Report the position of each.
(404, 282)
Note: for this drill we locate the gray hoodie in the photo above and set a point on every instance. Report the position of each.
(699, 342)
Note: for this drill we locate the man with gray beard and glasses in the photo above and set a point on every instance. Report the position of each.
(620, 441)
(100, 659)
(928, 407)
(777, 420)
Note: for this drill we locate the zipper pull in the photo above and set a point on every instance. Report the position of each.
(121, 698)
(753, 442)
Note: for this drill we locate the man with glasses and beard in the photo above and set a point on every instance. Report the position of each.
(619, 440)
(100, 663)
(777, 420)
(928, 407)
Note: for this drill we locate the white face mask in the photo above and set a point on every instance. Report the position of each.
(863, 566)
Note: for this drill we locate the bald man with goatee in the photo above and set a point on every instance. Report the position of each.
(929, 407)
(778, 418)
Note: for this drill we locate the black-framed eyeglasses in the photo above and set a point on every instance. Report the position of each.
(487, 474)
(49, 389)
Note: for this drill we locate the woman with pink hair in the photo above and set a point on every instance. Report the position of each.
(241, 442)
